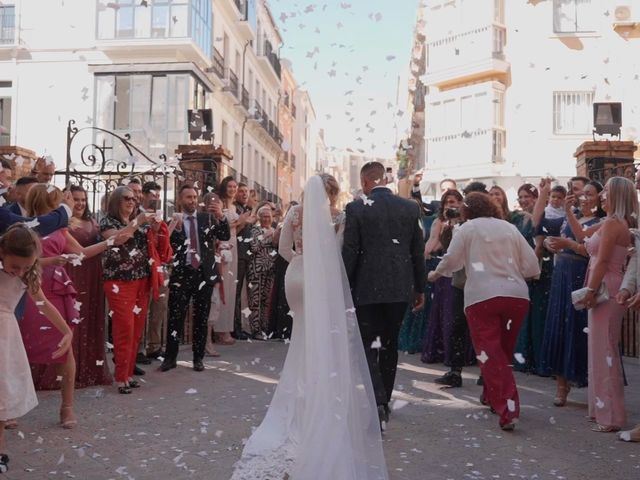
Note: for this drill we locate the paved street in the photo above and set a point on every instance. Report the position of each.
(188, 425)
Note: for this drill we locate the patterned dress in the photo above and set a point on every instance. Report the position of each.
(260, 276)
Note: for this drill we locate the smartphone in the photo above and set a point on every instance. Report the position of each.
(389, 175)
(569, 187)
(154, 205)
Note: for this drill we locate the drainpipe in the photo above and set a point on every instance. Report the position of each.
(244, 124)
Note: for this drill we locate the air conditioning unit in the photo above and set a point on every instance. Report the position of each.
(624, 15)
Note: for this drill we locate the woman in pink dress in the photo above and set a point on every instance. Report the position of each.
(608, 248)
(39, 338)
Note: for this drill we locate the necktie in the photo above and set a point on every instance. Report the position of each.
(193, 240)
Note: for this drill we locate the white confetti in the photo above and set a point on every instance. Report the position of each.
(511, 405)
(191, 391)
(246, 312)
(519, 357)
(115, 288)
(483, 357)
(376, 344)
(599, 403)
(609, 361)
(99, 363)
(398, 404)
(136, 310)
(478, 266)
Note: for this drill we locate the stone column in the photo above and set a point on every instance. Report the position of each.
(604, 159)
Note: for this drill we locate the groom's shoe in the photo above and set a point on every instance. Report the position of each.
(168, 364)
(450, 379)
(198, 366)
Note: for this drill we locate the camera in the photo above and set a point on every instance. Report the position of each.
(451, 213)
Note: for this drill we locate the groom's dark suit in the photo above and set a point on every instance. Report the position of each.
(383, 254)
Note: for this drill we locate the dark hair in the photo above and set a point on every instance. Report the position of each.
(150, 186)
(186, 186)
(478, 204)
(584, 180)
(445, 180)
(600, 213)
(475, 187)
(373, 171)
(242, 185)
(559, 189)
(86, 215)
(21, 241)
(134, 180)
(25, 181)
(5, 164)
(530, 188)
(443, 201)
(222, 188)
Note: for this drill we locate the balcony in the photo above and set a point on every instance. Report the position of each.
(245, 98)
(294, 110)
(181, 28)
(467, 56)
(262, 119)
(218, 63)
(232, 83)
(268, 58)
(293, 161)
(7, 25)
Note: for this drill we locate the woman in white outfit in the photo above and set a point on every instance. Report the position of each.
(322, 422)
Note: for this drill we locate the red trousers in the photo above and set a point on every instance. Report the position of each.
(129, 306)
(494, 325)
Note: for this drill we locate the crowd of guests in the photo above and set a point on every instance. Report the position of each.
(501, 284)
(499, 292)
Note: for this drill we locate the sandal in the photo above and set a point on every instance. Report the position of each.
(70, 422)
(124, 390)
(134, 384)
(4, 463)
(605, 428)
(561, 396)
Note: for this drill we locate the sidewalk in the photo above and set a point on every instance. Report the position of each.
(188, 425)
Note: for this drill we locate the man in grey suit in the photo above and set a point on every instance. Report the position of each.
(383, 253)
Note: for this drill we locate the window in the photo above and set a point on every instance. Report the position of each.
(152, 108)
(572, 113)
(7, 24)
(498, 108)
(5, 120)
(573, 16)
(497, 154)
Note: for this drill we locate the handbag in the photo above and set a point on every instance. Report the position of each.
(577, 296)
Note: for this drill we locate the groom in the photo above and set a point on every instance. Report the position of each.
(384, 260)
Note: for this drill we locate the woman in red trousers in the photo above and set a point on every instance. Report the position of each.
(497, 260)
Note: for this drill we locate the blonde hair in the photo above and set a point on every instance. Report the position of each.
(21, 241)
(622, 200)
(331, 185)
(42, 199)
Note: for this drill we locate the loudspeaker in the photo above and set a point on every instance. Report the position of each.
(200, 124)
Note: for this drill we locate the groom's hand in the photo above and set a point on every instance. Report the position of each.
(418, 302)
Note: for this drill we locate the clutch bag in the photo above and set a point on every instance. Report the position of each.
(577, 296)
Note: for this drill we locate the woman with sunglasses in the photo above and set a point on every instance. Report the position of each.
(126, 272)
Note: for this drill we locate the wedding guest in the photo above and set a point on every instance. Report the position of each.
(88, 335)
(44, 169)
(244, 258)
(194, 274)
(495, 294)
(608, 249)
(548, 217)
(126, 274)
(522, 220)
(260, 273)
(135, 185)
(527, 196)
(564, 342)
(229, 265)
(60, 291)
(20, 190)
(19, 251)
(6, 175)
(435, 347)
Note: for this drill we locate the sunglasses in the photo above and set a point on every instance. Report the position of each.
(129, 199)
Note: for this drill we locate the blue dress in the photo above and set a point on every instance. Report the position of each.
(414, 325)
(529, 341)
(564, 342)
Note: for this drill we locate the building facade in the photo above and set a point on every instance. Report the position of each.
(510, 85)
(137, 68)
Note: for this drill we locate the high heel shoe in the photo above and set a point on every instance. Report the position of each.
(68, 421)
(605, 428)
(630, 435)
(561, 396)
(124, 390)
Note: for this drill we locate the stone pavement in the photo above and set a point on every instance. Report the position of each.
(187, 425)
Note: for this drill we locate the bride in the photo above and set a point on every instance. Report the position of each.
(323, 421)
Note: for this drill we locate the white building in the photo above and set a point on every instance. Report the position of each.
(511, 84)
(137, 67)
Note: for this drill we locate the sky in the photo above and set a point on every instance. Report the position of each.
(349, 55)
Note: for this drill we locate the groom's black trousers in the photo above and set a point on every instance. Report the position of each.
(381, 320)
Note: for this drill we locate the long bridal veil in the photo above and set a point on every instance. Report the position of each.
(322, 422)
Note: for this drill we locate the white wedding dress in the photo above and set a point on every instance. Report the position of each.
(323, 421)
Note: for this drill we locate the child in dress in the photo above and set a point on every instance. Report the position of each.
(19, 270)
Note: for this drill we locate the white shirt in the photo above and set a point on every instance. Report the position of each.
(186, 224)
(496, 257)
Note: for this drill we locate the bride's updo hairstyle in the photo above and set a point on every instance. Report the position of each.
(331, 186)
